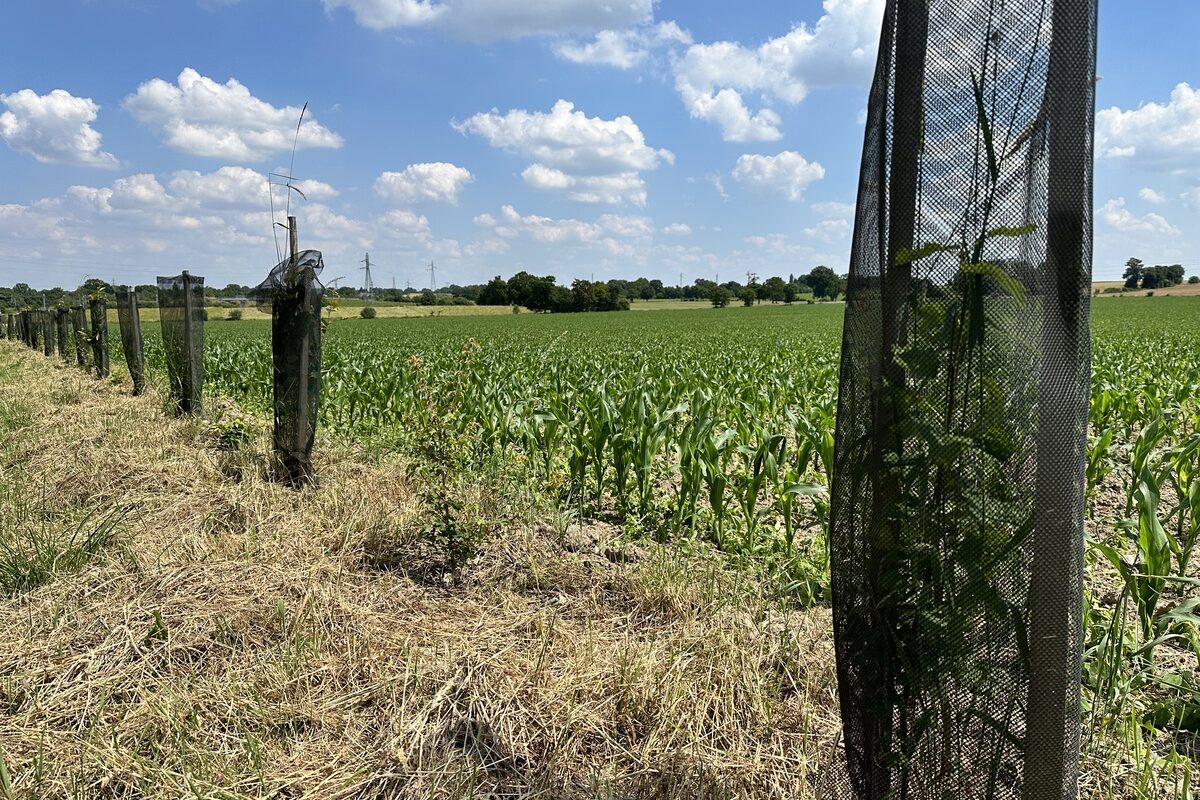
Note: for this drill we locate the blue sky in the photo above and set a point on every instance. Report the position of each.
(568, 137)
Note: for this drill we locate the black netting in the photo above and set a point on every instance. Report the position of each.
(10, 327)
(79, 327)
(37, 329)
(28, 331)
(181, 314)
(957, 497)
(130, 324)
(292, 295)
(99, 336)
(48, 333)
(62, 328)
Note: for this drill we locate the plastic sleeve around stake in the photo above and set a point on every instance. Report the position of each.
(292, 294)
(62, 326)
(181, 316)
(956, 529)
(130, 325)
(99, 336)
(79, 326)
(48, 333)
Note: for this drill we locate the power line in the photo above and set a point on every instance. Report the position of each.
(367, 269)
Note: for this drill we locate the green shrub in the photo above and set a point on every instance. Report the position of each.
(368, 312)
(234, 315)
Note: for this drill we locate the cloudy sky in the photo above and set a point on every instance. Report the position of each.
(569, 137)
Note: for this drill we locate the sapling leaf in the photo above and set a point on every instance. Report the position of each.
(985, 128)
(1005, 230)
(909, 255)
(1007, 282)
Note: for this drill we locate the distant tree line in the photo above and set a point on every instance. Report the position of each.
(1138, 276)
(534, 292)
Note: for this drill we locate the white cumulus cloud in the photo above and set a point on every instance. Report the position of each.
(1117, 216)
(546, 229)
(623, 49)
(437, 182)
(622, 187)
(239, 187)
(201, 117)
(54, 128)
(787, 173)
(611, 232)
(840, 49)
(384, 14)
(1161, 133)
(498, 19)
(595, 160)
(1152, 196)
(677, 229)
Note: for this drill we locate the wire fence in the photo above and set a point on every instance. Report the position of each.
(292, 294)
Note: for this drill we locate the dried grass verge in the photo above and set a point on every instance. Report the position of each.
(228, 638)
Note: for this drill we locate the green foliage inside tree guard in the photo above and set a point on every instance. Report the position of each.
(958, 485)
(292, 294)
(131, 336)
(99, 336)
(181, 314)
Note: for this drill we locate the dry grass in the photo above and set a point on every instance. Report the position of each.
(230, 640)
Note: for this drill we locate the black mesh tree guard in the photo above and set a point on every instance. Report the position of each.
(292, 294)
(957, 494)
(10, 331)
(98, 307)
(130, 324)
(79, 326)
(28, 330)
(181, 314)
(48, 332)
(62, 327)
